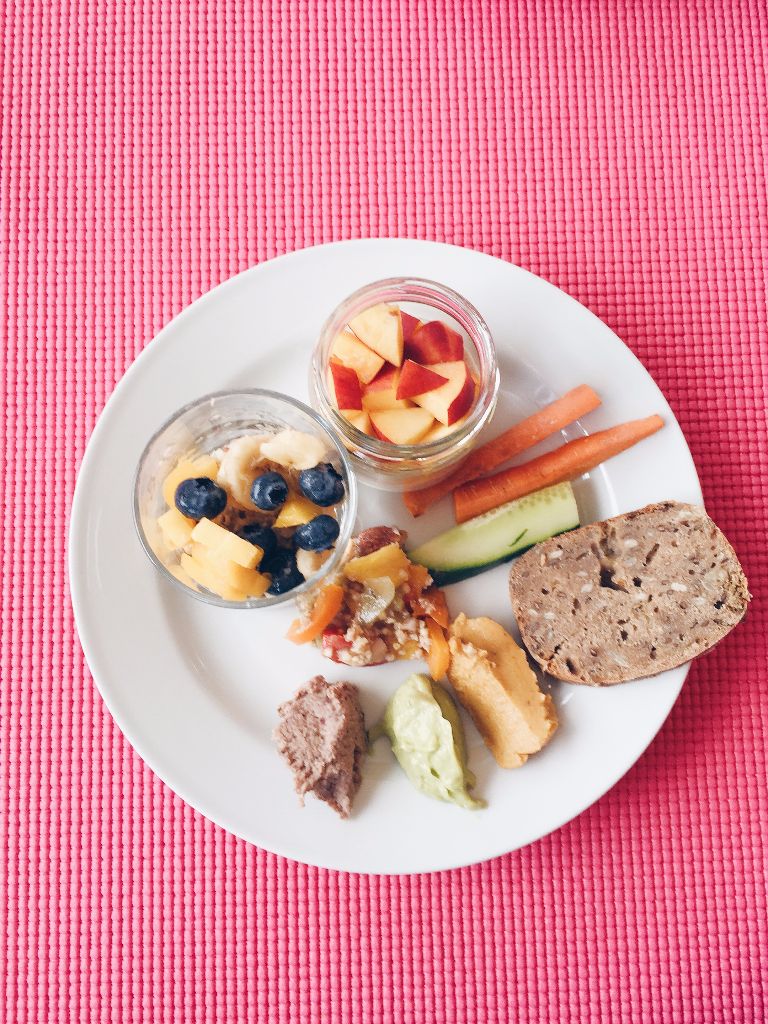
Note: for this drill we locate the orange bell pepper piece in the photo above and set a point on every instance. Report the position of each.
(439, 656)
(432, 605)
(418, 578)
(324, 611)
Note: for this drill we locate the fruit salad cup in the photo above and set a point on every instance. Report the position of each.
(405, 372)
(245, 499)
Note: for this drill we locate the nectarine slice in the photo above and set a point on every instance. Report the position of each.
(450, 402)
(381, 328)
(349, 350)
(415, 379)
(410, 323)
(381, 393)
(346, 387)
(359, 420)
(435, 342)
(401, 426)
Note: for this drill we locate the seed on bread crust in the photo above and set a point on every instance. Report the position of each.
(629, 597)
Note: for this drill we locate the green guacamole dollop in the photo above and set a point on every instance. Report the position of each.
(424, 728)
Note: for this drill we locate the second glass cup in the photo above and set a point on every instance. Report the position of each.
(381, 463)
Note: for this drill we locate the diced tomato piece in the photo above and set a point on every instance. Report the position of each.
(332, 642)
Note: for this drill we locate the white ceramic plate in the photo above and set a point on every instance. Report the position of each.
(195, 688)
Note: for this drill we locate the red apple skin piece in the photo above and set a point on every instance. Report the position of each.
(410, 323)
(435, 342)
(401, 426)
(349, 350)
(450, 402)
(346, 387)
(415, 379)
(381, 393)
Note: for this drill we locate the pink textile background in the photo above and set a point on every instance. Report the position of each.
(151, 150)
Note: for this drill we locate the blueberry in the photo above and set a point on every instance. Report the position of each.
(259, 535)
(318, 534)
(322, 485)
(200, 498)
(269, 491)
(281, 565)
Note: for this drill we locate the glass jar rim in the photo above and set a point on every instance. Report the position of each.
(439, 297)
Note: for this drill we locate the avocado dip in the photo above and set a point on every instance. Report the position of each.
(424, 728)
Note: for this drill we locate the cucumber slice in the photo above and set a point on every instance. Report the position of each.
(499, 535)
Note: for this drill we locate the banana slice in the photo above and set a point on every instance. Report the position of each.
(239, 466)
(294, 450)
(308, 562)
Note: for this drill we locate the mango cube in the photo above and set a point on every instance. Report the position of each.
(249, 582)
(298, 510)
(225, 545)
(175, 528)
(204, 575)
(181, 575)
(390, 561)
(188, 469)
(257, 583)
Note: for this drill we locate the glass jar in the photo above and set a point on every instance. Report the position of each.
(383, 464)
(211, 423)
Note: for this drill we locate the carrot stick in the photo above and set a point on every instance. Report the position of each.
(506, 446)
(565, 463)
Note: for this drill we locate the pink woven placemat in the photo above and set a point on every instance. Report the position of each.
(150, 150)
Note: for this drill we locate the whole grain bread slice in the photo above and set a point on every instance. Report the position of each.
(629, 597)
